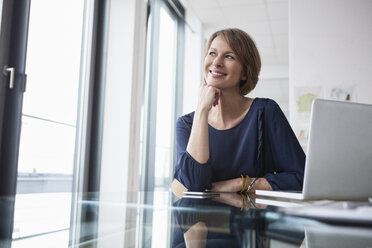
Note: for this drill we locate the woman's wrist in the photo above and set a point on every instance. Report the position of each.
(247, 184)
(231, 185)
(202, 111)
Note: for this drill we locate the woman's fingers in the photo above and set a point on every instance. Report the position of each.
(208, 96)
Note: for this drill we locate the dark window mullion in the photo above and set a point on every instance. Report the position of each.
(91, 168)
(149, 172)
(13, 46)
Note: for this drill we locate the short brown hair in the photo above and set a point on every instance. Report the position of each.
(246, 51)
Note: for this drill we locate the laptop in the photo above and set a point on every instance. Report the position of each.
(339, 153)
(337, 237)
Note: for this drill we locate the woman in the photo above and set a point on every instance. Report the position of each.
(233, 143)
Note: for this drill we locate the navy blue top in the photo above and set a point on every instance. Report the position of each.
(263, 144)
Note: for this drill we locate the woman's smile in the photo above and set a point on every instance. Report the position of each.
(217, 74)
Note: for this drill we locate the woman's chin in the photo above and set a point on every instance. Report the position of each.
(212, 83)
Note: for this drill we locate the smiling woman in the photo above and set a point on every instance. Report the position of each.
(240, 50)
(221, 65)
(230, 135)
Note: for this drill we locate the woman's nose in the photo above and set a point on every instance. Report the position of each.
(218, 62)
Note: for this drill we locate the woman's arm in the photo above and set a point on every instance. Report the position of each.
(198, 145)
(193, 170)
(177, 188)
(235, 185)
(287, 156)
(196, 236)
(232, 185)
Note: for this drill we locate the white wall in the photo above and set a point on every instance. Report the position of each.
(273, 83)
(273, 88)
(123, 97)
(330, 44)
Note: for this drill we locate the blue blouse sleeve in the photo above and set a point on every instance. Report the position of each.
(288, 158)
(193, 175)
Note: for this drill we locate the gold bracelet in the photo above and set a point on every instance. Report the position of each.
(244, 202)
(242, 183)
(245, 183)
(242, 207)
(244, 186)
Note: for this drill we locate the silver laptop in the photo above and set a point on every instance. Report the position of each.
(339, 154)
(337, 237)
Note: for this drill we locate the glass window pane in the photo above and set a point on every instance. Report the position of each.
(46, 147)
(34, 212)
(164, 120)
(50, 101)
(165, 101)
(53, 59)
(47, 144)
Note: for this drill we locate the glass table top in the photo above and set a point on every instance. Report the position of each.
(160, 219)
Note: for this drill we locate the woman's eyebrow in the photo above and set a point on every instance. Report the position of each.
(214, 49)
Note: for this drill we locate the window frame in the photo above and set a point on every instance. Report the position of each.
(150, 100)
(151, 89)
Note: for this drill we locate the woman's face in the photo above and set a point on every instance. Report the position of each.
(221, 66)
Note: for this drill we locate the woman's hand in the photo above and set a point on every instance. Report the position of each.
(232, 185)
(198, 145)
(208, 97)
(235, 185)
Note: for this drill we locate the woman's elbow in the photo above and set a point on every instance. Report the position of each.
(178, 188)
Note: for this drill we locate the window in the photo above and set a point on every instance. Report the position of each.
(165, 98)
(164, 69)
(47, 145)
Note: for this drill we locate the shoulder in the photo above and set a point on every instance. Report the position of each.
(271, 111)
(266, 104)
(185, 120)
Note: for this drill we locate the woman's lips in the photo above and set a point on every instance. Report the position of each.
(217, 74)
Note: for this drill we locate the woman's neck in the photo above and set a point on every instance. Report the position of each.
(230, 110)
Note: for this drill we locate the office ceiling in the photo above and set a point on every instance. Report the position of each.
(265, 20)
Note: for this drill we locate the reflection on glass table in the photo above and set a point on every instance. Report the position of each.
(159, 219)
(224, 221)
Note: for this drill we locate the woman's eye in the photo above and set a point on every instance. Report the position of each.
(212, 53)
(229, 57)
